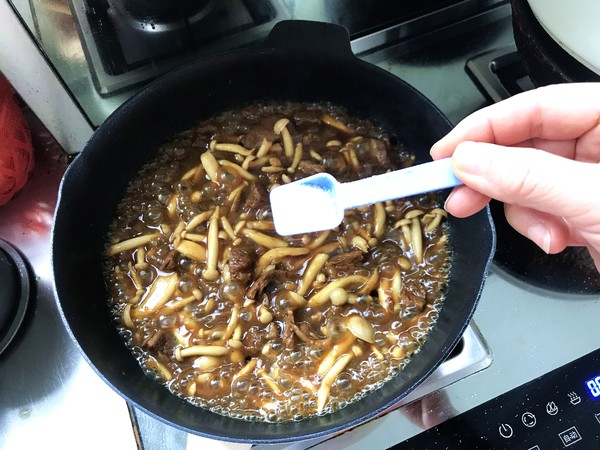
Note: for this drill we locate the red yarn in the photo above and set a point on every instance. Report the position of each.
(16, 150)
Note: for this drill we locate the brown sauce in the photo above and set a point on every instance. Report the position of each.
(233, 317)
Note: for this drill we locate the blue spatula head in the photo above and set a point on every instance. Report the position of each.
(306, 205)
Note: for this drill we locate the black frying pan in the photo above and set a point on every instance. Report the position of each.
(299, 61)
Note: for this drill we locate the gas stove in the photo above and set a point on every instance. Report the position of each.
(536, 316)
(140, 48)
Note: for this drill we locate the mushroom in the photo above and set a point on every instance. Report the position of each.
(360, 328)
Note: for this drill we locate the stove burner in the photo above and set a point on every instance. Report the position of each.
(156, 17)
(128, 42)
(14, 295)
(500, 74)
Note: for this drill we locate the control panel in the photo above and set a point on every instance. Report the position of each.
(560, 409)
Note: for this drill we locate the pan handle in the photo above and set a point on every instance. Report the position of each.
(316, 37)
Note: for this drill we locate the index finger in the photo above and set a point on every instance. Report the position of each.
(558, 112)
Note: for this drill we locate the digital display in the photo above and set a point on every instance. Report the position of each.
(593, 385)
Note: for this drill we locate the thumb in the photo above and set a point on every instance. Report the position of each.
(531, 178)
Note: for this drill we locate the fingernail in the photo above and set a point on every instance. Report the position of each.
(450, 195)
(468, 158)
(539, 234)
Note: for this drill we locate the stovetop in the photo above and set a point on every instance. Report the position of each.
(521, 330)
(124, 50)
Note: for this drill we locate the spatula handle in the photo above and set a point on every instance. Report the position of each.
(427, 177)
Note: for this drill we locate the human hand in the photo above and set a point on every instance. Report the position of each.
(539, 153)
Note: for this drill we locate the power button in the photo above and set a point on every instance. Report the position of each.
(505, 430)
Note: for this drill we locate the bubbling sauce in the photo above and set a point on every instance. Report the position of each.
(234, 318)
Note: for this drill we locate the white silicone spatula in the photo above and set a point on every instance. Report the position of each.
(318, 202)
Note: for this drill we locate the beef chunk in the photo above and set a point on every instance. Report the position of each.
(310, 167)
(257, 197)
(289, 335)
(292, 263)
(170, 261)
(378, 150)
(272, 331)
(242, 260)
(307, 117)
(257, 287)
(413, 295)
(375, 157)
(254, 137)
(263, 280)
(334, 162)
(292, 331)
(344, 264)
(304, 332)
(159, 342)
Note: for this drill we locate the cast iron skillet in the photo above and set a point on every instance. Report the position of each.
(299, 61)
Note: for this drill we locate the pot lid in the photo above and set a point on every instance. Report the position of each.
(14, 295)
(574, 26)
